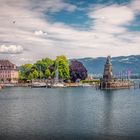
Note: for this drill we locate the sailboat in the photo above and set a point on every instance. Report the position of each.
(39, 84)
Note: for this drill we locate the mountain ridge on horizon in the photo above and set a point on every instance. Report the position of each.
(104, 57)
(120, 63)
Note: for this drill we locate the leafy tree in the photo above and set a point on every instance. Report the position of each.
(35, 74)
(62, 64)
(30, 76)
(40, 66)
(21, 77)
(41, 75)
(47, 73)
(45, 68)
(77, 71)
(25, 71)
(43, 65)
(48, 62)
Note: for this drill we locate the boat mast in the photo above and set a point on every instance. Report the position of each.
(56, 74)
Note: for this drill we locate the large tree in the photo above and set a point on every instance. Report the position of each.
(43, 65)
(62, 64)
(46, 68)
(47, 73)
(77, 71)
(25, 71)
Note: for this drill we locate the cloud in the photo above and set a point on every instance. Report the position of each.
(135, 5)
(111, 19)
(11, 49)
(52, 6)
(32, 29)
(40, 32)
(113, 14)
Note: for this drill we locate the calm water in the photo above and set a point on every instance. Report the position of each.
(69, 113)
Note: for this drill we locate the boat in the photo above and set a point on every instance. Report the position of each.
(8, 85)
(58, 85)
(38, 85)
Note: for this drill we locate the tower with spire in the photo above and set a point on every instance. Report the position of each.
(108, 75)
(109, 81)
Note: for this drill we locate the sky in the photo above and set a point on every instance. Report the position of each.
(35, 29)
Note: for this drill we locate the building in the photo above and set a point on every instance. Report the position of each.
(108, 75)
(89, 78)
(109, 81)
(8, 72)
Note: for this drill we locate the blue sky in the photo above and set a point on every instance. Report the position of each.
(79, 17)
(31, 30)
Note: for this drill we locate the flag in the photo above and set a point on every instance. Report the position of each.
(129, 73)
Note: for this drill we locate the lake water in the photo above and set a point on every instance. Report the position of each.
(69, 113)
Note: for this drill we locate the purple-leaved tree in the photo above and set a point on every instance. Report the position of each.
(77, 71)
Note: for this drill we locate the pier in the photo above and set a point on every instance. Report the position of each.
(109, 81)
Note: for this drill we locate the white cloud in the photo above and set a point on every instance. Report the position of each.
(111, 19)
(11, 49)
(71, 8)
(107, 34)
(135, 5)
(113, 14)
(40, 32)
(52, 6)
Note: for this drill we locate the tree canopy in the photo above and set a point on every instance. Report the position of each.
(63, 67)
(77, 71)
(45, 68)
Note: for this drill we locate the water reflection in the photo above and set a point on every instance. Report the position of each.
(108, 111)
(70, 112)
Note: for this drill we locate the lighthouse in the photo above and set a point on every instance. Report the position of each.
(108, 75)
(109, 82)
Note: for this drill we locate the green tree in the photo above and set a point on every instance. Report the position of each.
(25, 71)
(45, 68)
(35, 74)
(47, 73)
(62, 64)
(30, 76)
(48, 62)
(21, 77)
(42, 65)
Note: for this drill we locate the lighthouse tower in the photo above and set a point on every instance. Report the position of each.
(108, 75)
(109, 82)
